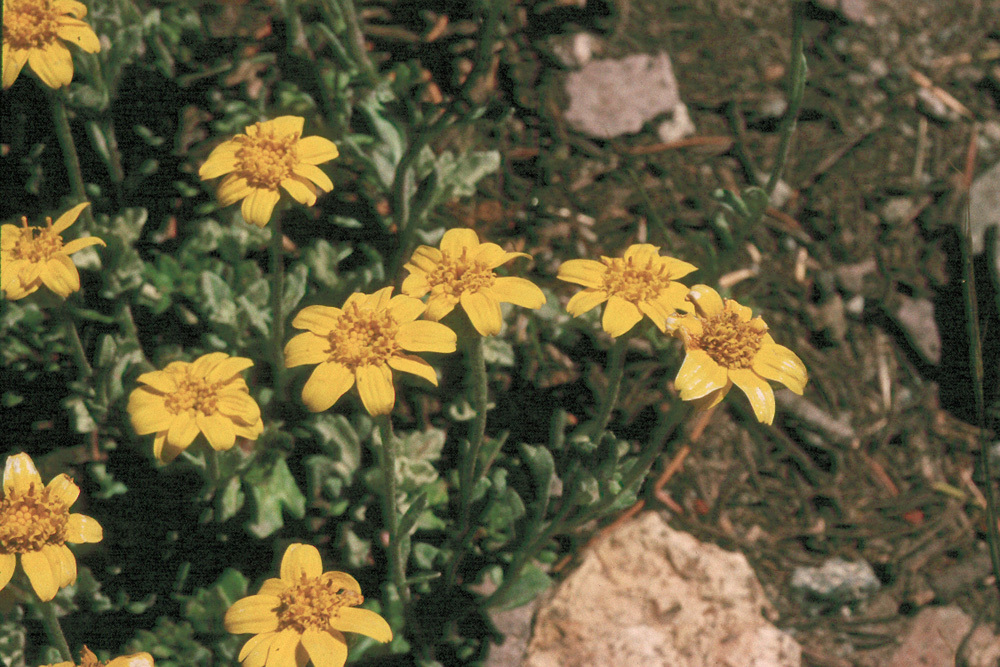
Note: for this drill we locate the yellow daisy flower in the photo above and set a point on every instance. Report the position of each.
(207, 396)
(642, 282)
(362, 343)
(461, 272)
(32, 30)
(270, 155)
(35, 523)
(88, 659)
(34, 256)
(726, 347)
(303, 615)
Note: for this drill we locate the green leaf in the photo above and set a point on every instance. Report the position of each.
(531, 583)
(295, 287)
(321, 258)
(340, 440)
(217, 299)
(273, 489)
(231, 500)
(542, 467)
(206, 607)
(412, 514)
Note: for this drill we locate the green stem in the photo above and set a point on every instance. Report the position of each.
(798, 86)
(478, 380)
(52, 627)
(64, 133)
(277, 271)
(356, 41)
(76, 347)
(615, 371)
(387, 459)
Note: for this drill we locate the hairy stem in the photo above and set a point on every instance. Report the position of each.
(387, 459)
(64, 133)
(615, 371)
(277, 271)
(798, 86)
(54, 630)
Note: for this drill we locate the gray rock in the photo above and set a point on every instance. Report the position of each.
(916, 318)
(983, 209)
(612, 97)
(852, 10)
(836, 582)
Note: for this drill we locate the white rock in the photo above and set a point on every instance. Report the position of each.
(652, 596)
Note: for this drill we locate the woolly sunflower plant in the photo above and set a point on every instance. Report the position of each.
(35, 32)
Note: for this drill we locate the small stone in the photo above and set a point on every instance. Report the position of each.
(931, 105)
(858, 11)
(916, 318)
(940, 636)
(851, 277)
(837, 582)
(983, 210)
(612, 97)
(678, 127)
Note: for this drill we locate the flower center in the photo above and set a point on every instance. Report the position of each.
(363, 338)
(455, 275)
(36, 244)
(730, 342)
(265, 159)
(632, 282)
(31, 520)
(29, 24)
(311, 603)
(193, 393)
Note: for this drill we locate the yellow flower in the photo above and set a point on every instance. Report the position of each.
(640, 283)
(207, 396)
(303, 615)
(88, 659)
(31, 33)
(363, 343)
(726, 347)
(269, 155)
(34, 256)
(462, 272)
(36, 523)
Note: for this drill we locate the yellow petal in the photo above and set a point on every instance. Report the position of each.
(316, 150)
(406, 308)
(8, 563)
(300, 560)
(20, 475)
(299, 190)
(706, 300)
(284, 125)
(584, 301)
(259, 205)
(238, 405)
(162, 381)
(183, 430)
(204, 364)
(483, 310)
(328, 382)
(711, 399)
(672, 298)
(743, 312)
(490, 255)
(439, 305)
(13, 62)
(60, 275)
(314, 175)
(654, 311)
(586, 272)
(408, 363)
(255, 614)
(284, 650)
(424, 258)
(778, 363)
(273, 586)
(757, 390)
(519, 292)
(376, 390)
(425, 336)
(68, 218)
(306, 348)
(77, 9)
(62, 488)
(324, 649)
(455, 240)
(363, 621)
(222, 160)
(218, 431)
(79, 33)
(63, 563)
(415, 284)
(620, 316)
(81, 529)
(320, 320)
(148, 412)
(699, 375)
(232, 189)
(134, 660)
(79, 244)
(378, 300)
(53, 64)
(228, 368)
(675, 268)
(341, 581)
(39, 570)
(258, 642)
